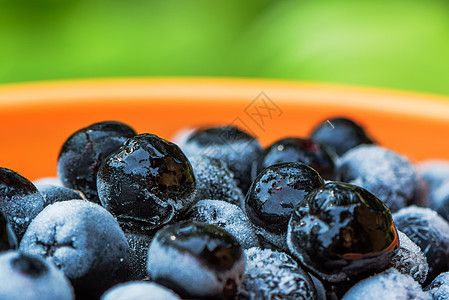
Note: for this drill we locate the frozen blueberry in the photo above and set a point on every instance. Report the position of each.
(228, 216)
(139, 290)
(240, 151)
(274, 195)
(439, 200)
(430, 232)
(386, 174)
(410, 260)
(295, 149)
(52, 194)
(54, 181)
(387, 285)
(25, 276)
(196, 260)
(340, 135)
(8, 239)
(434, 172)
(274, 275)
(439, 288)
(83, 152)
(20, 200)
(83, 240)
(215, 181)
(342, 232)
(138, 254)
(147, 183)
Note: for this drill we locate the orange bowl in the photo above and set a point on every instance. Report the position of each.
(36, 118)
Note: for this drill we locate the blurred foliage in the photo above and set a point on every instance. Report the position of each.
(395, 44)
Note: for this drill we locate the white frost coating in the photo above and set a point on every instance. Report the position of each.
(214, 180)
(139, 290)
(386, 174)
(387, 285)
(15, 285)
(274, 275)
(55, 181)
(228, 216)
(410, 260)
(189, 273)
(439, 288)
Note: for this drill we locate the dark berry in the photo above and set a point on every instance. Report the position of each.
(8, 239)
(301, 150)
(240, 151)
(83, 152)
(228, 216)
(25, 276)
(274, 275)
(147, 183)
(196, 260)
(430, 232)
(342, 232)
(274, 195)
(139, 290)
(20, 201)
(52, 194)
(386, 174)
(138, 254)
(83, 240)
(387, 285)
(340, 135)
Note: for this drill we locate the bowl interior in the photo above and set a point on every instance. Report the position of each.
(36, 118)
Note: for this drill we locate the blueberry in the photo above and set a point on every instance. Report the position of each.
(146, 184)
(387, 285)
(410, 260)
(240, 151)
(439, 200)
(215, 181)
(139, 290)
(342, 232)
(138, 254)
(295, 149)
(52, 194)
(386, 174)
(83, 240)
(25, 276)
(430, 232)
(439, 287)
(196, 260)
(274, 275)
(228, 216)
(20, 200)
(83, 152)
(340, 135)
(8, 239)
(274, 195)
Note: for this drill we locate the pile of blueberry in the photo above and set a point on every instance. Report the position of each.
(217, 216)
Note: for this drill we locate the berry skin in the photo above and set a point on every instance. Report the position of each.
(274, 195)
(146, 184)
(342, 232)
(295, 149)
(83, 152)
(25, 276)
(8, 239)
(139, 290)
(196, 260)
(340, 135)
(240, 151)
(20, 201)
(84, 241)
(54, 194)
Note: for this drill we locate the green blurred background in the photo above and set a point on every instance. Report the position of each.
(390, 44)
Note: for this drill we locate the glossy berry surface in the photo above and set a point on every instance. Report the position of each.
(196, 260)
(342, 232)
(295, 149)
(8, 239)
(147, 183)
(30, 277)
(340, 135)
(20, 201)
(83, 152)
(240, 151)
(430, 232)
(275, 193)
